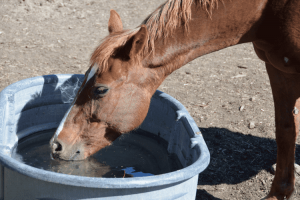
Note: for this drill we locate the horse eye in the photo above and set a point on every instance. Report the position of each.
(101, 91)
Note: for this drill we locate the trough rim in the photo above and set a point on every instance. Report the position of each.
(109, 183)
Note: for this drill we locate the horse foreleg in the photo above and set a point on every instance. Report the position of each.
(286, 94)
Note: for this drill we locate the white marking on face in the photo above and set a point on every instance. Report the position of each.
(61, 125)
(92, 73)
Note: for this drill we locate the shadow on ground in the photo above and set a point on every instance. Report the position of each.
(236, 157)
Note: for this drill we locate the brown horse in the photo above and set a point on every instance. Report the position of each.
(129, 66)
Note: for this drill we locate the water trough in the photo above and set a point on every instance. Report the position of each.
(39, 103)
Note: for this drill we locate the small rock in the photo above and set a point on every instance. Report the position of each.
(61, 5)
(242, 108)
(82, 16)
(273, 169)
(252, 125)
(198, 133)
(239, 76)
(188, 72)
(252, 99)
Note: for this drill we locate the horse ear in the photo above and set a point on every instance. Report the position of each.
(139, 41)
(115, 22)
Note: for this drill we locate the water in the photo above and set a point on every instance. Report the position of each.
(133, 154)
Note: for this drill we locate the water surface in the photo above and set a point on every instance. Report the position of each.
(134, 154)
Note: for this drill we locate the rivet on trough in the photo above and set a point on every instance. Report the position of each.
(296, 111)
(179, 114)
(194, 142)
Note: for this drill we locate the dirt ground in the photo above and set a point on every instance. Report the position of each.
(39, 37)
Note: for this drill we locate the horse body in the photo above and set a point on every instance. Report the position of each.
(129, 66)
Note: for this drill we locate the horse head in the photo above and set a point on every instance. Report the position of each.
(114, 97)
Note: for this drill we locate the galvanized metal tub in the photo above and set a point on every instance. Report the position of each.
(39, 103)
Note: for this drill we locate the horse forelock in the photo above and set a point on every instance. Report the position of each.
(169, 16)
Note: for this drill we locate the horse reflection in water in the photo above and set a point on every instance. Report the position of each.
(129, 66)
(90, 168)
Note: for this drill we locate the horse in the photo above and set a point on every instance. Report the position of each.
(129, 65)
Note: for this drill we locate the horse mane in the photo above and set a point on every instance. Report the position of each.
(166, 18)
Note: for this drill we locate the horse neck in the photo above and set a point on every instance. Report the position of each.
(233, 22)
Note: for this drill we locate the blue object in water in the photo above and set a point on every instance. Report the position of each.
(39, 103)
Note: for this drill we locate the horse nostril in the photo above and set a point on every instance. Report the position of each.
(78, 152)
(57, 147)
